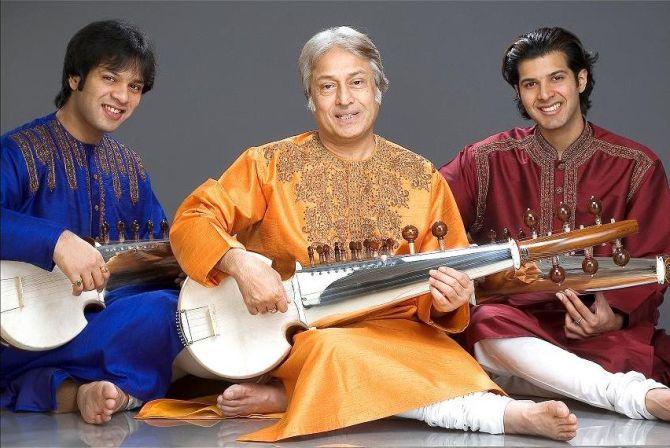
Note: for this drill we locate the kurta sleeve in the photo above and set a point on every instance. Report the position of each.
(443, 208)
(206, 222)
(648, 205)
(23, 237)
(461, 175)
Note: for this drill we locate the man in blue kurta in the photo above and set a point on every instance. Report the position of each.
(63, 178)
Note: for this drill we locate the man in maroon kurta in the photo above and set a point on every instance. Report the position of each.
(554, 343)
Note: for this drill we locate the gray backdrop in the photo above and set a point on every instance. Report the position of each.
(228, 79)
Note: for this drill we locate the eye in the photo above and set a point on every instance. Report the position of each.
(137, 88)
(109, 78)
(559, 77)
(327, 87)
(358, 82)
(529, 84)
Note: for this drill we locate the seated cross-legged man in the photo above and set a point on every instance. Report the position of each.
(63, 178)
(343, 183)
(603, 350)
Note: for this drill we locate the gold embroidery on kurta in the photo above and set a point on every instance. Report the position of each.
(545, 156)
(484, 173)
(345, 200)
(45, 149)
(30, 161)
(642, 163)
(66, 149)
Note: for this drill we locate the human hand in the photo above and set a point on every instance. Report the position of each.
(81, 263)
(450, 288)
(582, 322)
(261, 286)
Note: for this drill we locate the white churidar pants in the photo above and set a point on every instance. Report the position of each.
(533, 366)
(480, 411)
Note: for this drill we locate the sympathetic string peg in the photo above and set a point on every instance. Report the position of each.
(135, 227)
(326, 253)
(359, 249)
(310, 254)
(531, 222)
(492, 236)
(590, 264)
(352, 249)
(338, 252)
(105, 232)
(165, 229)
(366, 246)
(374, 246)
(521, 234)
(621, 256)
(409, 233)
(595, 207)
(557, 273)
(506, 234)
(150, 229)
(121, 228)
(439, 230)
(319, 250)
(563, 215)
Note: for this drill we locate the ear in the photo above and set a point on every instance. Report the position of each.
(582, 79)
(74, 82)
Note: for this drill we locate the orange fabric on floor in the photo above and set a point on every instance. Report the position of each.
(284, 196)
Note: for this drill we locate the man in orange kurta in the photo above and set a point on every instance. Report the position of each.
(344, 183)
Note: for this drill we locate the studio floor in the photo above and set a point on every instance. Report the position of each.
(596, 428)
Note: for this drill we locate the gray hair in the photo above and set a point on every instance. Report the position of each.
(349, 39)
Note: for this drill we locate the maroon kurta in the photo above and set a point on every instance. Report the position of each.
(496, 180)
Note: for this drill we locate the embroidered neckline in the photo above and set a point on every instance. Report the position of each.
(572, 153)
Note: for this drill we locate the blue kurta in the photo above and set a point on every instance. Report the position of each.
(52, 182)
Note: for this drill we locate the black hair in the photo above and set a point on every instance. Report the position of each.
(541, 42)
(112, 43)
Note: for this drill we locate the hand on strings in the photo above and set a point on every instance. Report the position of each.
(260, 285)
(450, 288)
(582, 322)
(81, 263)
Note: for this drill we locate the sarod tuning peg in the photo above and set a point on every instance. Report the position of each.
(439, 230)
(595, 207)
(506, 234)
(310, 254)
(557, 273)
(105, 232)
(121, 229)
(409, 233)
(620, 256)
(338, 252)
(531, 222)
(590, 264)
(492, 236)
(563, 214)
(521, 235)
(165, 229)
(150, 229)
(135, 227)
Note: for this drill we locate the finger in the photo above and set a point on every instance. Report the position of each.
(578, 304)
(98, 279)
(440, 303)
(77, 285)
(449, 293)
(282, 305)
(461, 277)
(446, 279)
(574, 328)
(89, 284)
(569, 307)
(252, 310)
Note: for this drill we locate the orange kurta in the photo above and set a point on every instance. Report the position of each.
(284, 196)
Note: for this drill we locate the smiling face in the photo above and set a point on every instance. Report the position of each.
(343, 91)
(550, 93)
(107, 99)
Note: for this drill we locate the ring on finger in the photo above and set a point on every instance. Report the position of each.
(104, 269)
(576, 322)
(77, 283)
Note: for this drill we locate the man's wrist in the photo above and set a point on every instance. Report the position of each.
(230, 262)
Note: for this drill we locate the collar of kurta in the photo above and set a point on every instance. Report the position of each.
(578, 152)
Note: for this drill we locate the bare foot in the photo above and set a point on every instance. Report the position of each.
(550, 419)
(97, 401)
(252, 398)
(658, 403)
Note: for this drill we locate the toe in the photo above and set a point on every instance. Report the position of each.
(234, 392)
